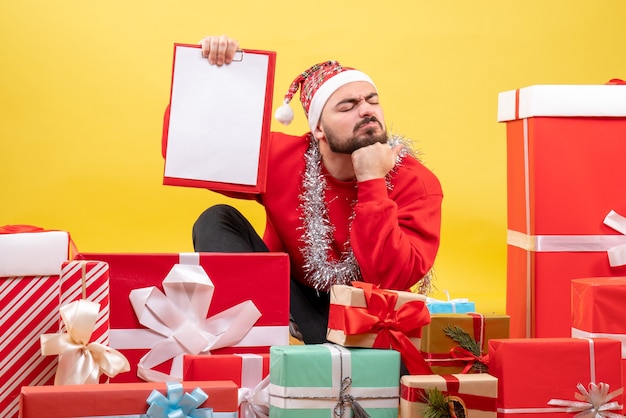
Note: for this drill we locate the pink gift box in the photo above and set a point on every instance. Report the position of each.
(262, 278)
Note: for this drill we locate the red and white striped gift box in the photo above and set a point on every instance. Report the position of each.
(29, 306)
(84, 279)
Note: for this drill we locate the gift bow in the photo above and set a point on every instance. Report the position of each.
(592, 403)
(180, 317)
(464, 355)
(390, 325)
(16, 229)
(617, 254)
(81, 361)
(448, 300)
(178, 403)
(255, 402)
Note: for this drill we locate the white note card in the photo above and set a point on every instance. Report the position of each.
(216, 118)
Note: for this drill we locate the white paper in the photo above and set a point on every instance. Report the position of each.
(216, 118)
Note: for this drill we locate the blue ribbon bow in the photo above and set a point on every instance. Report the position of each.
(177, 403)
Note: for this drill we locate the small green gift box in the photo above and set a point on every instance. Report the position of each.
(328, 380)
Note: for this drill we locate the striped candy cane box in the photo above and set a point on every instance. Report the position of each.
(30, 267)
(86, 279)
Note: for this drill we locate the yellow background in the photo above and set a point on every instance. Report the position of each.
(84, 84)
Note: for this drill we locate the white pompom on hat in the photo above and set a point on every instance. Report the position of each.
(316, 85)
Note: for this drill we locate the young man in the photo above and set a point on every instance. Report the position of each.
(345, 201)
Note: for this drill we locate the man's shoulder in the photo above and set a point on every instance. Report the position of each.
(413, 169)
(282, 142)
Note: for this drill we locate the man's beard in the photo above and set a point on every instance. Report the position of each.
(368, 137)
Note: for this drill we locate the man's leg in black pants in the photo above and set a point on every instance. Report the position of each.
(222, 228)
(309, 309)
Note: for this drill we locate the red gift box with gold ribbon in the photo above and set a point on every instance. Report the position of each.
(363, 315)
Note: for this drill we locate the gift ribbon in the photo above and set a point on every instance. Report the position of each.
(255, 402)
(341, 397)
(466, 356)
(391, 326)
(253, 395)
(178, 403)
(475, 402)
(81, 361)
(459, 354)
(179, 319)
(16, 229)
(578, 333)
(593, 403)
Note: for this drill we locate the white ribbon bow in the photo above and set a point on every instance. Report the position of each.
(255, 402)
(180, 317)
(592, 403)
(617, 254)
(80, 361)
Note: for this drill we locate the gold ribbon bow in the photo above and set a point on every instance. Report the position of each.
(80, 361)
(592, 403)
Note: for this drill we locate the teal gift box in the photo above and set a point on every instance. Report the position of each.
(328, 380)
(459, 305)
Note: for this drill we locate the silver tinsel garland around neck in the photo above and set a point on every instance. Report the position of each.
(321, 271)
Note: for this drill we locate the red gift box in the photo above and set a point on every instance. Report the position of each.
(598, 310)
(262, 278)
(248, 371)
(30, 264)
(117, 399)
(533, 371)
(564, 170)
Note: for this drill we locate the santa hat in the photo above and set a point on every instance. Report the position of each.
(316, 85)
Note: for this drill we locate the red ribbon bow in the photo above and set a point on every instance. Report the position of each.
(460, 353)
(392, 327)
(16, 229)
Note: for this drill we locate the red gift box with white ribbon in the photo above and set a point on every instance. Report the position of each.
(565, 148)
(164, 306)
(542, 377)
(598, 310)
(249, 371)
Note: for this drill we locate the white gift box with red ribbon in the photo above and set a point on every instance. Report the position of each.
(30, 264)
